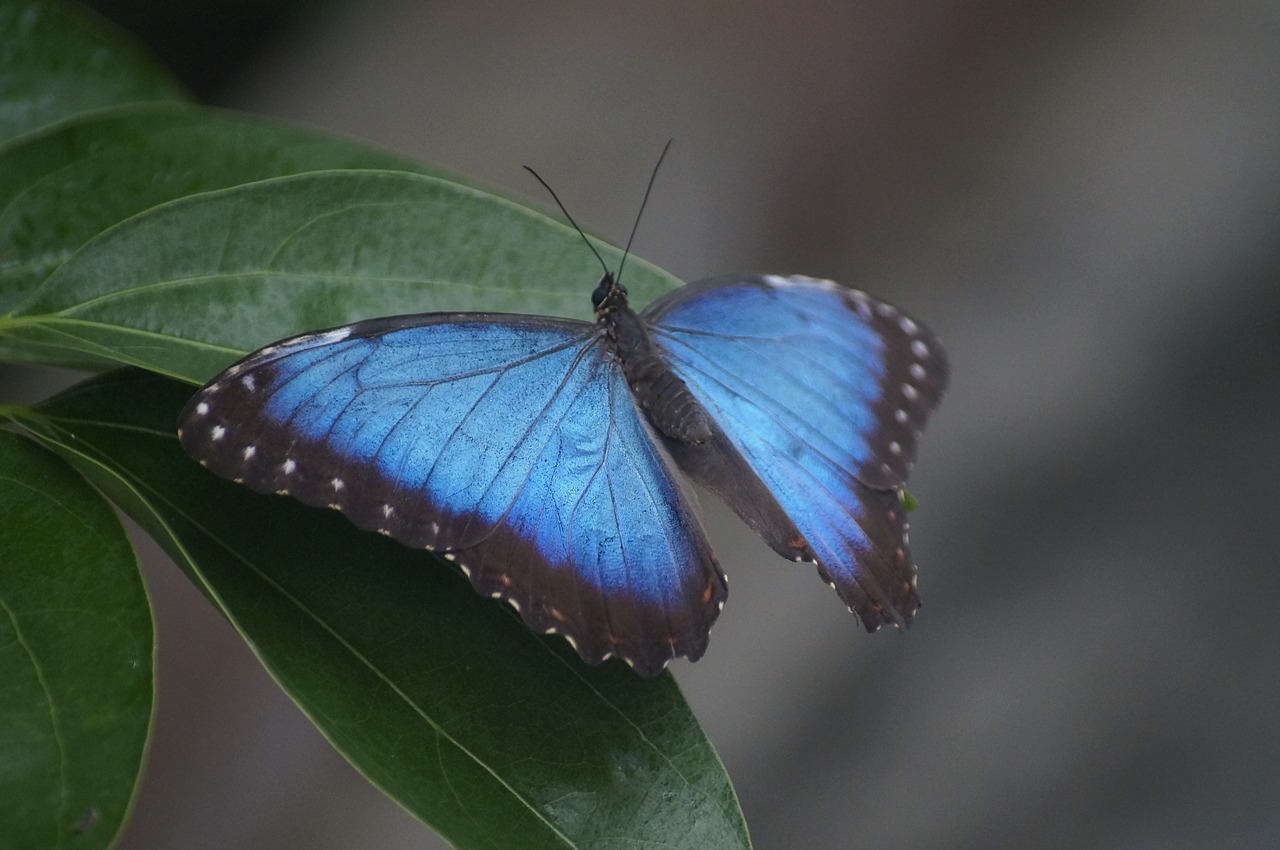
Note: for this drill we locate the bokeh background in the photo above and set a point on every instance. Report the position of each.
(1082, 198)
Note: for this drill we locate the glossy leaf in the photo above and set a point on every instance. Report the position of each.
(491, 735)
(76, 657)
(64, 185)
(187, 287)
(56, 61)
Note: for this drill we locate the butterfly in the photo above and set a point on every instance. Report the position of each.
(551, 459)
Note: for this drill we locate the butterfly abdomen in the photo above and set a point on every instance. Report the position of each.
(667, 401)
(659, 392)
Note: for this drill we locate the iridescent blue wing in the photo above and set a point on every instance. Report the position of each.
(819, 394)
(509, 444)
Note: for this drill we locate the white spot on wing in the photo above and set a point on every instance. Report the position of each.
(901, 416)
(217, 433)
(250, 451)
(288, 466)
(910, 392)
(919, 349)
(202, 408)
(337, 484)
(249, 383)
(917, 371)
(908, 326)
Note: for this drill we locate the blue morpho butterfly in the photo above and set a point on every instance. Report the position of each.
(544, 456)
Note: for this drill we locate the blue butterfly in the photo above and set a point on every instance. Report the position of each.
(550, 458)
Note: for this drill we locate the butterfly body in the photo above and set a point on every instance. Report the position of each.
(665, 399)
(548, 457)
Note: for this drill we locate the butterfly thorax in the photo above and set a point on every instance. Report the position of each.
(664, 398)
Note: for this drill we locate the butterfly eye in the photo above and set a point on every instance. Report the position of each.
(606, 287)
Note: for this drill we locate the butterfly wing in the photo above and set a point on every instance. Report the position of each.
(511, 445)
(821, 393)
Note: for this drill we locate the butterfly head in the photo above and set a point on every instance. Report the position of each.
(609, 295)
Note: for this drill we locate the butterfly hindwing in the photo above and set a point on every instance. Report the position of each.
(509, 444)
(822, 392)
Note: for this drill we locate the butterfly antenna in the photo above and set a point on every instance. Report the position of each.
(556, 198)
(643, 201)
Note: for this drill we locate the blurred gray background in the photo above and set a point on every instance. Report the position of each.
(1083, 199)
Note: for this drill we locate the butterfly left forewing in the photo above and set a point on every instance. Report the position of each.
(822, 392)
(507, 444)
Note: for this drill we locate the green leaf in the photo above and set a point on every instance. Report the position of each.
(56, 62)
(189, 286)
(76, 657)
(62, 186)
(489, 734)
